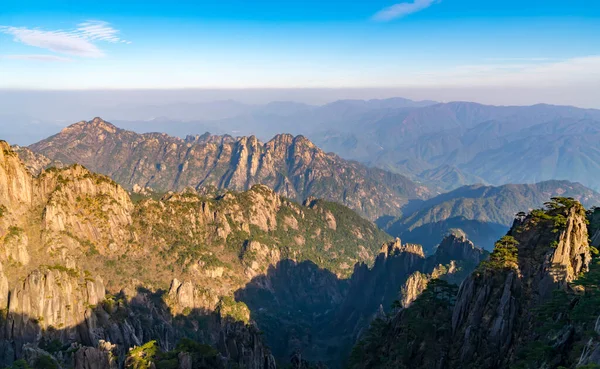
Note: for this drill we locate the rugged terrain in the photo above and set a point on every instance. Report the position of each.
(293, 166)
(90, 271)
(533, 304)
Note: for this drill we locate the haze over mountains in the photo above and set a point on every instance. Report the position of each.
(293, 166)
(296, 168)
(222, 240)
(443, 145)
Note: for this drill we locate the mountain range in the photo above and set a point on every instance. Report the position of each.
(444, 145)
(293, 166)
(296, 168)
(226, 252)
(94, 275)
(484, 213)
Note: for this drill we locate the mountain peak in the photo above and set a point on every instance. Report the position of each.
(456, 246)
(102, 124)
(95, 124)
(396, 247)
(292, 165)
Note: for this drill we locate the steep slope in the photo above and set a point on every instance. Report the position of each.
(484, 212)
(90, 277)
(293, 166)
(528, 306)
(324, 316)
(72, 235)
(35, 162)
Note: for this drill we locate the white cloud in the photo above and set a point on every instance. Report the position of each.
(98, 31)
(37, 57)
(78, 42)
(402, 9)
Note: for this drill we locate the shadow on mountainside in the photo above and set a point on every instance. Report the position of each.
(292, 304)
(104, 337)
(301, 307)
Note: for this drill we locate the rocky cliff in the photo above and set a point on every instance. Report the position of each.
(68, 235)
(324, 315)
(520, 308)
(293, 166)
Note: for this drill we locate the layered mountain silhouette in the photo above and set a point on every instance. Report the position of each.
(293, 166)
(484, 213)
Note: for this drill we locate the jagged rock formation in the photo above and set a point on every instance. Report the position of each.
(35, 162)
(513, 311)
(412, 288)
(67, 235)
(548, 257)
(293, 166)
(324, 316)
(456, 246)
(58, 306)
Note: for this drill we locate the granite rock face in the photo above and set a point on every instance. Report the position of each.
(412, 288)
(68, 235)
(508, 310)
(293, 166)
(495, 305)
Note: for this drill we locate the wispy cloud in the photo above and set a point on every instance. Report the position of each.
(99, 31)
(402, 9)
(37, 57)
(80, 41)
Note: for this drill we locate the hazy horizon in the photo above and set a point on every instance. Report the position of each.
(493, 52)
(580, 97)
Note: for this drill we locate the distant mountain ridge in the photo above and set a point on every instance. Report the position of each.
(293, 166)
(498, 144)
(484, 213)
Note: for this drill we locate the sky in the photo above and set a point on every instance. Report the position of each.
(238, 44)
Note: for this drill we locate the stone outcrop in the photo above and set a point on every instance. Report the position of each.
(517, 309)
(16, 183)
(54, 300)
(35, 163)
(412, 288)
(456, 246)
(186, 296)
(100, 357)
(495, 305)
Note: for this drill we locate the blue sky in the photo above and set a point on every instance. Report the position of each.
(326, 43)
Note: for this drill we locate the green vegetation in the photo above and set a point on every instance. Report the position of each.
(42, 362)
(235, 310)
(14, 232)
(71, 272)
(3, 211)
(505, 255)
(576, 307)
(143, 357)
(416, 335)
(91, 247)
